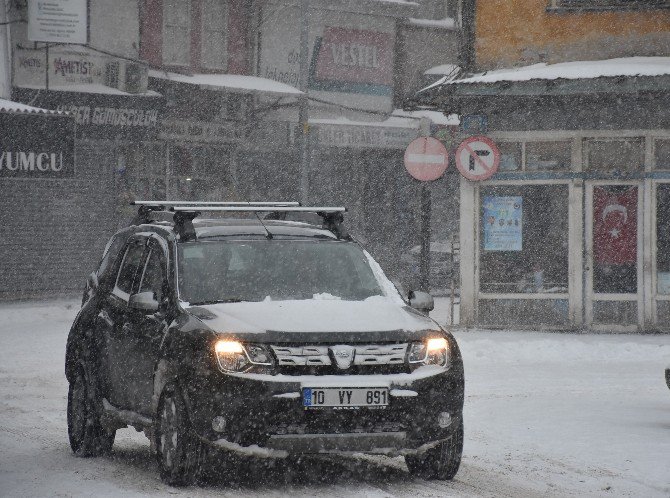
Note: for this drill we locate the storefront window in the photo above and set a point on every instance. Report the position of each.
(663, 238)
(616, 154)
(524, 239)
(615, 239)
(510, 156)
(200, 173)
(662, 153)
(142, 170)
(542, 156)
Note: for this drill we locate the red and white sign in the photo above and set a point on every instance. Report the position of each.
(477, 158)
(353, 56)
(426, 159)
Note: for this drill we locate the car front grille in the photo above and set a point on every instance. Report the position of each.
(359, 359)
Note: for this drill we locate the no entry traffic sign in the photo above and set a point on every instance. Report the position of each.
(477, 158)
(426, 159)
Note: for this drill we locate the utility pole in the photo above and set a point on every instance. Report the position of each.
(303, 110)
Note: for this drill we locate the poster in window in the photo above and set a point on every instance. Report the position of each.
(614, 225)
(503, 223)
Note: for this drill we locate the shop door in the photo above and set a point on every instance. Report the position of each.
(613, 276)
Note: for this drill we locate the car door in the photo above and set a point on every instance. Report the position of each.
(146, 329)
(111, 322)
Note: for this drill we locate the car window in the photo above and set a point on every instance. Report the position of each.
(111, 253)
(153, 278)
(130, 267)
(278, 270)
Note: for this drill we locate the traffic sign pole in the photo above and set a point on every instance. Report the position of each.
(426, 159)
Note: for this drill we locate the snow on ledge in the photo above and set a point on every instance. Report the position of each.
(397, 119)
(234, 82)
(92, 88)
(625, 66)
(253, 451)
(446, 23)
(11, 106)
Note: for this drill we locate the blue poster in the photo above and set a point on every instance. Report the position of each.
(503, 223)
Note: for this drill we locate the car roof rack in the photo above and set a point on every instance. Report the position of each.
(186, 211)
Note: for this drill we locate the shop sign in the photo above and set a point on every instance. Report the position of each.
(101, 115)
(66, 67)
(36, 146)
(58, 21)
(353, 61)
(377, 137)
(200, 131)
(503, 223)
(351, 56)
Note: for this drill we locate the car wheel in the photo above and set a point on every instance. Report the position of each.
(440, 462)
(179, 451)
(87, 435)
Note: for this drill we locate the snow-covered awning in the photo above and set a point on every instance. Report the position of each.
(17, 107)
(236, 83)
(625, 66)
(622, 75)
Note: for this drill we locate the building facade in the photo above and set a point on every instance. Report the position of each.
(582, 181)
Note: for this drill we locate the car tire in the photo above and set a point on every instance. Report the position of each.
(88, 437)
(442, 461)
(179, 452)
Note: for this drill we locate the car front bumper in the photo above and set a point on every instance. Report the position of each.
(262, 411)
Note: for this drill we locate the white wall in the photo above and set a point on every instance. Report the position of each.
(115, 26)
(5, 55)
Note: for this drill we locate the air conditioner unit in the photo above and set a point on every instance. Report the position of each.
(126, 76)
(136, 78)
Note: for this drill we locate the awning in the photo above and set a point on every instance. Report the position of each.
(10, 106)
(235, 83)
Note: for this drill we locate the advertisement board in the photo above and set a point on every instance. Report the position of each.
(503, 223)
(58, 21)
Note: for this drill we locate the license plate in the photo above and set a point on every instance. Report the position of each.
(314, 397)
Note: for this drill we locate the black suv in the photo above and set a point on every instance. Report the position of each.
(258, 336)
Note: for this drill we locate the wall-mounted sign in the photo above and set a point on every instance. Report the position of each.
(66, 67)
(353, 61)
(58, 21)
(477, 158)
(503, 223)
(200, 131)
(378, 137)
(102, 115)
(36, 146)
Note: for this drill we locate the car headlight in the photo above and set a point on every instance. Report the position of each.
(433, 351)
(234, 356)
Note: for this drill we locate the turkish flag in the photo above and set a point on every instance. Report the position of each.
(615, 225)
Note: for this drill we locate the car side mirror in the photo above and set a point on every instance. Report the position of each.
(421, 301)
(143, 301)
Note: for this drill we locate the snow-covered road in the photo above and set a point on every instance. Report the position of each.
(546, 415)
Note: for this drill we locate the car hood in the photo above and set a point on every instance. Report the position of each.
(375, 314)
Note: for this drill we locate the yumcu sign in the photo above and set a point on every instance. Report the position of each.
(36, 146)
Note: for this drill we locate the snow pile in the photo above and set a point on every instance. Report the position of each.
(11, 106)
(446, 23)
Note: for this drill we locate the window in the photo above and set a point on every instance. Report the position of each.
(143, 171)
(608, 4)
(615, 154)
(662, 154)
(510, 156)
(176, 32)
(524, 239)
(132, 264)
(153, 278)
(214, 33)
(543, 156)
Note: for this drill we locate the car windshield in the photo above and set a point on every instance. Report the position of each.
(234, 271)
